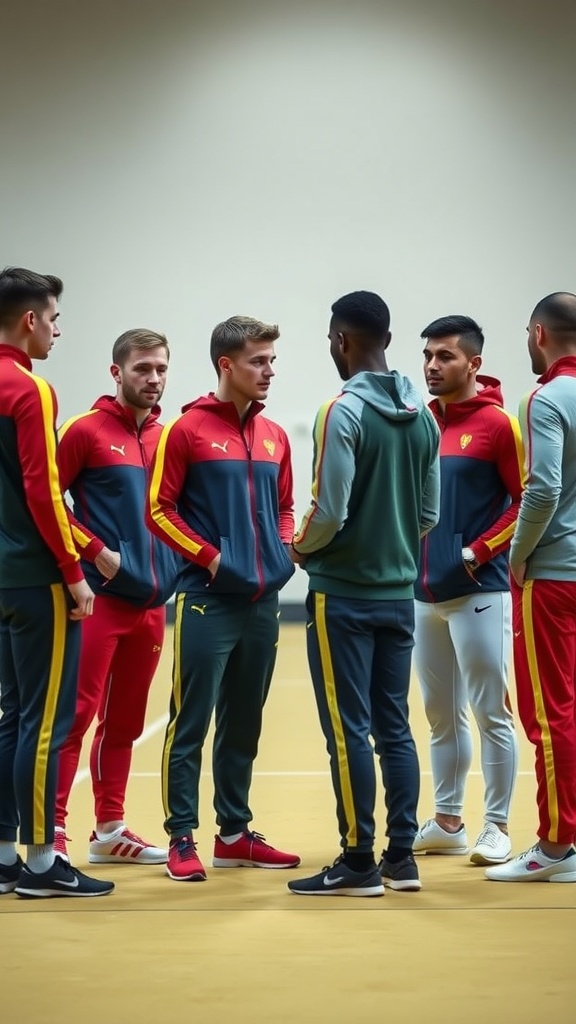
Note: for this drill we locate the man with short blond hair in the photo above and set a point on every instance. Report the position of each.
(221, 496)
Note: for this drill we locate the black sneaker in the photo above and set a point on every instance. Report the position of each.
(340, 880)
(402, 876)
(60, 880)
(9, 875)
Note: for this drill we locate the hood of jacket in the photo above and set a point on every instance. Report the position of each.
(109, 404)
(490, 393)
(390, 394)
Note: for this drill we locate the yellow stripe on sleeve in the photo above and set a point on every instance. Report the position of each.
(53, 481)
(156, 512)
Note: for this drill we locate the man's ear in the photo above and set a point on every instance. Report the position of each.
(387, 340)
(115, 372)
(475, 363)
(541, 335)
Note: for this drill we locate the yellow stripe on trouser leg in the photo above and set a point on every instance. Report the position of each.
(541, 716)
(60, 620)
(177, 697)
(335, 719)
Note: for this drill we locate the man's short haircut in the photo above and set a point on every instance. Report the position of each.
(471, 338)
(138, 338)
(364, 312)
(231, 336)
(22, 290)
(557, 312)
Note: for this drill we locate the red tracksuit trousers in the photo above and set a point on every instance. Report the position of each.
(121, 646)
(544, 623)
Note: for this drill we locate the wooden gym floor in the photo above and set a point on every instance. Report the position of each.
(239, 947)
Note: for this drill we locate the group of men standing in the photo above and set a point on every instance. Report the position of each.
(406, 541)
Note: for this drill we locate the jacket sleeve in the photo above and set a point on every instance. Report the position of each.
(36, 439)
(544, 436)
(335, 440)
(509, 449)
(286, 494)
(165, 489)
(431, 494)
(74, 442)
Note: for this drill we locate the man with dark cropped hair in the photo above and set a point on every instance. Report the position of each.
(463, 605)
(43, 597)
(543, 567)
(375, 493)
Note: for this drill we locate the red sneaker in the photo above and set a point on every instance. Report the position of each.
(184, 864)
(60, 840)
(251, 851)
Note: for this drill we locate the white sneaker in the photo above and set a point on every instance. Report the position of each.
(124, 847)
(492, 846)
(432, 838)
(535, 866)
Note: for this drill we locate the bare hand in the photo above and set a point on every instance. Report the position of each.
(296, 557)
(107, 562)
(214, 565)
(519, 574)
(83, 600)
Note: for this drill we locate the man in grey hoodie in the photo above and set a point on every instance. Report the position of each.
(543, 567)
(375, 492)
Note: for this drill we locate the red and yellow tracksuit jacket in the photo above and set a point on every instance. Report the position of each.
(36, 544)
(222, 486)
(482, 476)
(104, 463)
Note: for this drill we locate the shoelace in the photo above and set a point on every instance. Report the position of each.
(339, 860)
(488, 837)
(186, 848)
(127, 834)
(256, 837)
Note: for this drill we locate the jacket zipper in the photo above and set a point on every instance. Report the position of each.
(146, 466)
(255, 527)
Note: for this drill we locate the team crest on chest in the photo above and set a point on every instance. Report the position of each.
(465, 440)
(270, 446)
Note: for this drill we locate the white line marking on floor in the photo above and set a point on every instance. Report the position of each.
(149, 731)
(160, 723)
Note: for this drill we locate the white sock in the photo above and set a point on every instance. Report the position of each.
(109, 829)
(40, 858)
(228, 840)
(8, 855)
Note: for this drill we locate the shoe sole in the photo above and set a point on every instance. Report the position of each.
(225, 862)
(106, 858)
(442, 853)
(53, 893)
(566, 876)
(479, 858)
(195, 877)
(408, 885)
(374, 890)
(6, 887)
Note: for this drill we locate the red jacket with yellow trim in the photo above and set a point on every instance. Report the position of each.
(482, 477)
(219, 485)
(104, 461)
(36, 545)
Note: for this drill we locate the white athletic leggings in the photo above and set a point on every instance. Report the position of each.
(461, 658)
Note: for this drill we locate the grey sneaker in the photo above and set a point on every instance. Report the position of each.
(492, 846)
(340, 880)
(61, 879)
(432, 838)
(402, 876)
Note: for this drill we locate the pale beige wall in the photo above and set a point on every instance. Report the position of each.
(178, 162)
